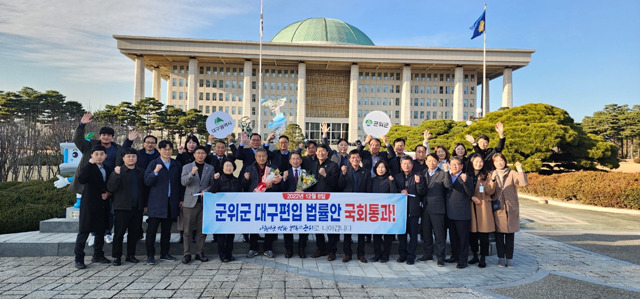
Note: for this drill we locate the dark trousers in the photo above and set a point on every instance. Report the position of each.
(459, 231)
(504, 244)
(81, 241)
(346, 245)
(321, 243)
(483, 238)
(165, 235)
(268, 241)
(409, 252)
(302, 242)
(126, 221)
(192, 221)
(433, 225)
(333, 243)
(382, 250)
(225, 245)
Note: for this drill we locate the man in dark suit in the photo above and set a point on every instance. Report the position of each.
(412, 186)
(438, 183)
(280, 158)
(327, 174)
(310, 159)
(482, 147)
(247, 155)
(356, 179)
(458, 211)
(148, 152)
(394, 162)
(290, 184)
(219, 155)
(94, 206)
(165, 200)
(373, 155)
(419, 164)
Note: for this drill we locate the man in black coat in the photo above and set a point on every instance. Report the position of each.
(290, 184)
(327, 174)
(247, 155)
(310, 159)
(355, 179)
(147, 153)
(94, 206)
(126, 183)
(438, 183)
(458, 211)
(411, 185)
(280, 158)
(482, 147)
(395, 161)
(373, 155)
(220, 156)
(165, 200)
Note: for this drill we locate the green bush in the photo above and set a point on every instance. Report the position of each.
(605, 189)
(24, 204)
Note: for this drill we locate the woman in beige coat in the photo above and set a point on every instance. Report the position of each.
(482, 222)
(507, 217)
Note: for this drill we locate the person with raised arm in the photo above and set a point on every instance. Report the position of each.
(327, 173)
(482, 147)
(373, 155)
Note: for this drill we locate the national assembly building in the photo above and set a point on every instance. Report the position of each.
(327, 70)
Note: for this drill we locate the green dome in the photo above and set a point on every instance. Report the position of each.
(322, 30)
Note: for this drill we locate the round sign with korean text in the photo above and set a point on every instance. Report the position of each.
(220, 124)
(376, 124)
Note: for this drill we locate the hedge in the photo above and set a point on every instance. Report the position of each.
(24, 204)
(605, 189)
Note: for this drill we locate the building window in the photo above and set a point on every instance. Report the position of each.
(240, 98)
(180, 96)
(215, 72)
(174, 81)
(421, 114)
(397, 114)
(201, 96)
(175, 69)
(441, 89)
(466, 104)
(253, 110)
(415, 114)
(240, 110)
(233, 109)
(208, 83)
(173, 95)
(471, 103)
(182, 69)
(207, 109)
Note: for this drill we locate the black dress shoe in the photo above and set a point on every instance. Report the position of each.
(474, 259)
(225, 260)
(288, 254)
(318, 254)
(231, 258)
(131, 259)
(81, 265)
(374, 259)
(362, 259)
(117, 262)
(186, 259)
(100, 259)
(301, 253)
(441, 263)
(461, 266)
(331, 257)
(201, 257)
(169, 257)
(410, 262)
(401, 259)
(451, 260)
(151, 260)
(425, 258)
(346, 258)
(383, 260)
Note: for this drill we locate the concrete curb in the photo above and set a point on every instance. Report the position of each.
(579, 206)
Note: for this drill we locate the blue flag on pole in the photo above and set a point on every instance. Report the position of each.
(478, 27)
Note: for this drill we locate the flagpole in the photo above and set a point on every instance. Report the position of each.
(260, 76)
(484, 66)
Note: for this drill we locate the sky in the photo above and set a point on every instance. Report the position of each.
(586, 51)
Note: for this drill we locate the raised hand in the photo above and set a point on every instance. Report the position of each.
(229, 138)
(322, 172)
(247, 176)
(133, 134)
(158, 168)
(271, 136)
(463, 176)
(368, 139)
(344, 169)
(117, 170)
(426, 135)
(384, 139)
(500, 129)
(211, 138)
(86, 118)
(519, 166)
(92, 161)
(470, 139)
(243, 139)
(325, 128)
(216, 176)
(180, 149)
(391, 178)
(445, 166)
(194, 170)
(105, 195)
(417, 177)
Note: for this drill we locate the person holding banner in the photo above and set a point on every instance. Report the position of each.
(257, 178)
(355, 179)
(291, 181)
(458, 212)
(327, 173)
(197, 178)
(482, 222)
(225, 183)
(382, 183)
(373, 155)
(438, 183)
(412, 186)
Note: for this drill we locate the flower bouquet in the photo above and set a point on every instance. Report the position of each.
(306, 180)
(269, 175)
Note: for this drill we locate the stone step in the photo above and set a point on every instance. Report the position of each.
(70, 225)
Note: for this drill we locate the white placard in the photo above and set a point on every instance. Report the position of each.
(376, 124)
(220, 124)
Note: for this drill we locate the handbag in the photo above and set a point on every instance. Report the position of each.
(495, 205)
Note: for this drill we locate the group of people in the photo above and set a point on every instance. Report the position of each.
(457, 193)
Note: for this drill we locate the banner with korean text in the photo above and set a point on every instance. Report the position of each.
(308, 212)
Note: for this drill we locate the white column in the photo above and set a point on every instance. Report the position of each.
(138, 83)
(246, 91)
(156, 84)
(192, 99)
(301, 114)
(486, 108)
(507, 88)
(353, 103)
(458, 95)
(405, 96)
(169, 90)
